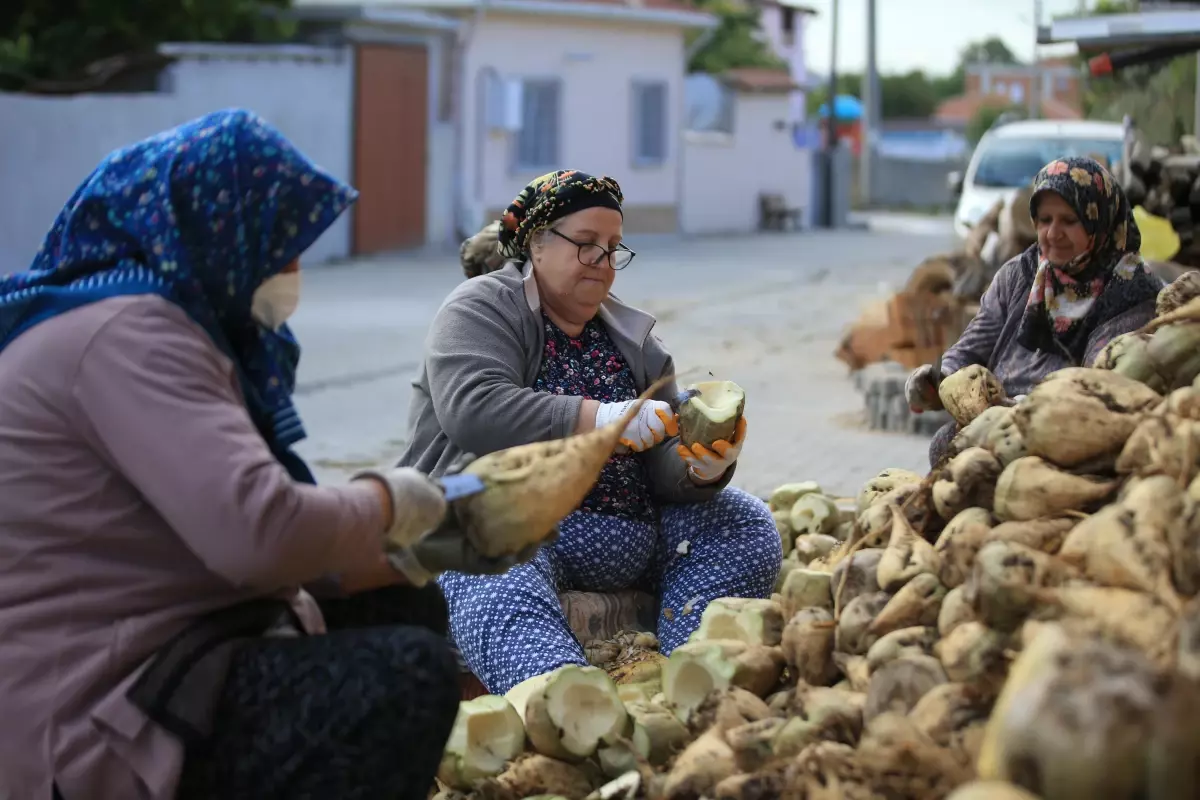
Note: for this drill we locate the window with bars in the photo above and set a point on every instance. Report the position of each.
(537, 143)
(649, 123)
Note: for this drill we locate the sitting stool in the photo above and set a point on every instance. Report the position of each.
(592, 616)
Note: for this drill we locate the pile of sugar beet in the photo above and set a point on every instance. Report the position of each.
(1023, 622)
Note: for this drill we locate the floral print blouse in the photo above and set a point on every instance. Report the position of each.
(592, 367)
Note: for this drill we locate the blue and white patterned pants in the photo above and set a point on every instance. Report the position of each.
(511, 627)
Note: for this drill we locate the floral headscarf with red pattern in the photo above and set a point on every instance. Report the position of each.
(550, 198)
(1069, 300)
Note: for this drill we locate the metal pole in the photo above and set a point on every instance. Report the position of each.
(871, 115)
(1196, 111)
(831, 123)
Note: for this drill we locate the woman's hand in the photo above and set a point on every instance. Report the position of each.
(708, 466)
(921, 390)
(655, 421)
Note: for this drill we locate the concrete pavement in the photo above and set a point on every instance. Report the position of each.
(765, 311)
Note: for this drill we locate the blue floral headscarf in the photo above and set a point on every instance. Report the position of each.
(201, 215)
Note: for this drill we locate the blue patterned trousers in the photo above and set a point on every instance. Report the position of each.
(511, 627)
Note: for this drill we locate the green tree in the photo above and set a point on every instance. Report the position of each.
(992, 50)
(736, 42)
(912, 95)
(58, 40)
(1160, 97)
(908, 96)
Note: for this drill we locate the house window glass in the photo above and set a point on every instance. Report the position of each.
(537, 143)
(649, 122)
(1062, 85)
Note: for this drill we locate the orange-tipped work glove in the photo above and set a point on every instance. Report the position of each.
(655, 421)
(708, 465)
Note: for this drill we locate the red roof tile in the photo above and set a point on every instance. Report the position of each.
(760, 79)
(964, 107)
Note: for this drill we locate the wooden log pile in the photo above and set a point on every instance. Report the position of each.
(1167, 184)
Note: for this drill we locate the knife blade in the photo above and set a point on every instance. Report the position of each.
(462, 485)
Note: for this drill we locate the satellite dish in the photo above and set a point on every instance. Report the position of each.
(705, 98)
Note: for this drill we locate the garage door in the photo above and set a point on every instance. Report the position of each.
(391, 126)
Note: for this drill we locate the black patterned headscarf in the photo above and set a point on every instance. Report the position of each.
(550, 198)
(1069, 300)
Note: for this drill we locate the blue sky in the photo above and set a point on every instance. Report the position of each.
(925, 34)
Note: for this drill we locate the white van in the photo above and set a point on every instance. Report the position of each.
(1010, 155)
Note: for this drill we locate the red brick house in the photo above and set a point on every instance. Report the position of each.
(1060, 90)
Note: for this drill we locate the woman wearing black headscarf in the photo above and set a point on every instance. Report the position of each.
(539, 350)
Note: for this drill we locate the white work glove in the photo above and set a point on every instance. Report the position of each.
(921, 391)
(425, 538)
(705, 465)
(418, 504)
(655, 421)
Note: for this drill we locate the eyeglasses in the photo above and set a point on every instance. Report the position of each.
(593, 255)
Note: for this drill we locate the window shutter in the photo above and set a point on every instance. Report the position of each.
(650, 133)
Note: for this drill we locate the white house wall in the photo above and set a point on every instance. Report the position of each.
(48, 145)
(598, 64)
(723, 175)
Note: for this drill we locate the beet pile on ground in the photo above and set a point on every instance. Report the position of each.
(1023, 622)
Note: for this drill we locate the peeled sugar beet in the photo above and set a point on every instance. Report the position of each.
(785, 496)
(709, 412)
(572, 711)
(1077, 415)
(969, 392)
(749, 620)
(814, 513)
(1031, 488)
(806, 588)
(1128, 355)
(811, 546)
(487, 734)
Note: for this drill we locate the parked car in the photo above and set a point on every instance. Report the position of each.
(1009, 155)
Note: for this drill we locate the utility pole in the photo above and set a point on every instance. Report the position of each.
(831, 138)
(1196, 110)
(871, 115)
(1035, 81)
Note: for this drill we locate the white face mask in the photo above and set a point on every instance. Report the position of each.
(275, 299)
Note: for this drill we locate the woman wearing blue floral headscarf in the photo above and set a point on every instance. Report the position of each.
(156, 526)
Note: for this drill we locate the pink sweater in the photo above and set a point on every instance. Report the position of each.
(135, 496)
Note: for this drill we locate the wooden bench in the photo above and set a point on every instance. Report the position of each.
(775, 214)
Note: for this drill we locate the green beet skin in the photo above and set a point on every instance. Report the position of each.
(710, 412)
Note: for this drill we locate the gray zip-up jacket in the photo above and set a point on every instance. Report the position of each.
(482, 356)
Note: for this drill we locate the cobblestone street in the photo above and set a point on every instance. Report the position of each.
(765, 311)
